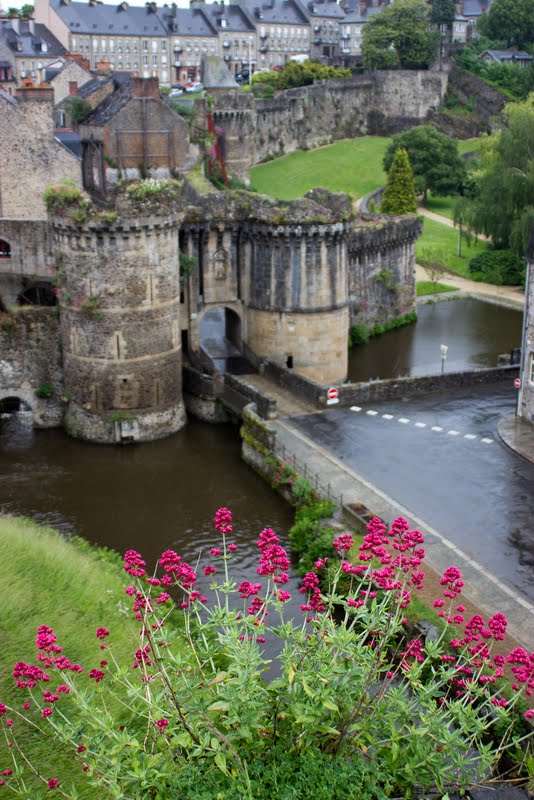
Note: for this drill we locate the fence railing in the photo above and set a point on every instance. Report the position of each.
(324, 490)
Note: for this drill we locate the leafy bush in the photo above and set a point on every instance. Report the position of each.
(500, 267)
(79, 109)
(45, 390)
(59, 196)
(295, 74)
(309, 538)
(360, 334)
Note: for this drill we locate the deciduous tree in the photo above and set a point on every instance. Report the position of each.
(434, 159)
(511, 21)
(399, 36)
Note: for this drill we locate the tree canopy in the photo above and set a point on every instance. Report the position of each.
(434, 158)
(511, 21)
(442, 12)
(399, 36)
(503, 205)
(399, 194)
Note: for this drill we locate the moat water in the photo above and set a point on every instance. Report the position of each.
(162, 495)
(475, 334)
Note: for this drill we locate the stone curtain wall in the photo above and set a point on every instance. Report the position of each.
(30, 358)
(30, 256)
(33, 157)
(526, 409)
(382, 268)
(379, 102)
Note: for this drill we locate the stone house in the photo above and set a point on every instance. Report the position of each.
(518, 57)
(133, 133)
(327, 36)
(283, 30)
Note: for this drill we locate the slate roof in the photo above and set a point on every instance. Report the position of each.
(357, 16)
(330, 10)
(71, 141)
(6, 96)
(281, 12)
(103, 18)
(189, 22)
(474, 8)
(237, 19)
(507, 55)
(110, 105)
(28, 43)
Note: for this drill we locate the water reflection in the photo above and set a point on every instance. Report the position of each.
(475, 333)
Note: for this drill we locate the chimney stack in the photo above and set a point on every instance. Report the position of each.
(145, 87)
(73, 87)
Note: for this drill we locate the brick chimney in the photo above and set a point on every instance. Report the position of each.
(73, 87)
(103, 67)
(79, 59)
(145, 87)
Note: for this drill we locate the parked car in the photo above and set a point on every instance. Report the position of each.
(176, 92)
(194, 87)
(278, 67)
(242, 77)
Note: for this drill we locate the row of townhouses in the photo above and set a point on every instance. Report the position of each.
(168, 42)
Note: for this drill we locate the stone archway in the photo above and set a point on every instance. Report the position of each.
(12, 405)
(37, 293)
(221, 338)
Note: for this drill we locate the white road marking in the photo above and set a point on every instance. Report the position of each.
(420, 425)
(487, 441)
(372, 413)
(470, 436)
(453, 433)
(437, 428)
(387, 416)
(404, 420)
(355, 408)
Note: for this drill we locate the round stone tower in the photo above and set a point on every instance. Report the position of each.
(297, 297)
(119, 295)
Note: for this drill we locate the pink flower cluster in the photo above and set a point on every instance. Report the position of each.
(274, 561)
(452, 579)
(343, 543)
(223, 520)
(134, 564)
(310, 586)
(407, 542)
(247, 589)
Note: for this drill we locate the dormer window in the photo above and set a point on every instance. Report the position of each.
(44, 47)
(223, 23)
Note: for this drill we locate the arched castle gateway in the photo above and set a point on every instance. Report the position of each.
(291, 278)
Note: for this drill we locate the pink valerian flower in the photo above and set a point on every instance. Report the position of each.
(529, 713)
(164, 596)
(134, 564)
(233, 547)
(274, 561)
(247, 589)
(97, 675)
(142, 656)
(310, 586)
(101, 633)
(438, 603)
(169, 560)
(53, 783)
(523, 668)
(27, 675)
(49, 697)
(320, 563)
(257, 607)
(153, 581)
(3, 709)
(46, 639)
(497, 625)
(223, 520)
(7, 772)
(46, 712)
(81, 748)
(452, 579)
(343, 543)
(283, 596)
(161, 724)
(216, 551)
(209, 570)
(413, 653)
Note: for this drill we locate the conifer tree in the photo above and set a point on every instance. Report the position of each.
(399, 194)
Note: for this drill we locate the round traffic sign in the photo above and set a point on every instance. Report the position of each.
(517, 383)
(332, 393)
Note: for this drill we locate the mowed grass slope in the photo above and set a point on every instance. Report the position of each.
(45, 580)
(439, 243)
(352, 165)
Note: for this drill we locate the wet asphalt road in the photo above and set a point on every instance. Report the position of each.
(478, 494)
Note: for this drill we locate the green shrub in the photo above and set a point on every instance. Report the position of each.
(500, 267)
(309, 538)
(45, 390)
(79, 109)
(358, 334)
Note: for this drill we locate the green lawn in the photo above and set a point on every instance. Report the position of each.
(353, 166)
(439, 242)
(424, 288)
(468, 145)
(441, 205)
(44, 580)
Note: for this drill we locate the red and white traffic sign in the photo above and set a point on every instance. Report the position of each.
(332, 396)
(517, 383)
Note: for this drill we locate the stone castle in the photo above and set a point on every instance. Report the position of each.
(291, 277)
